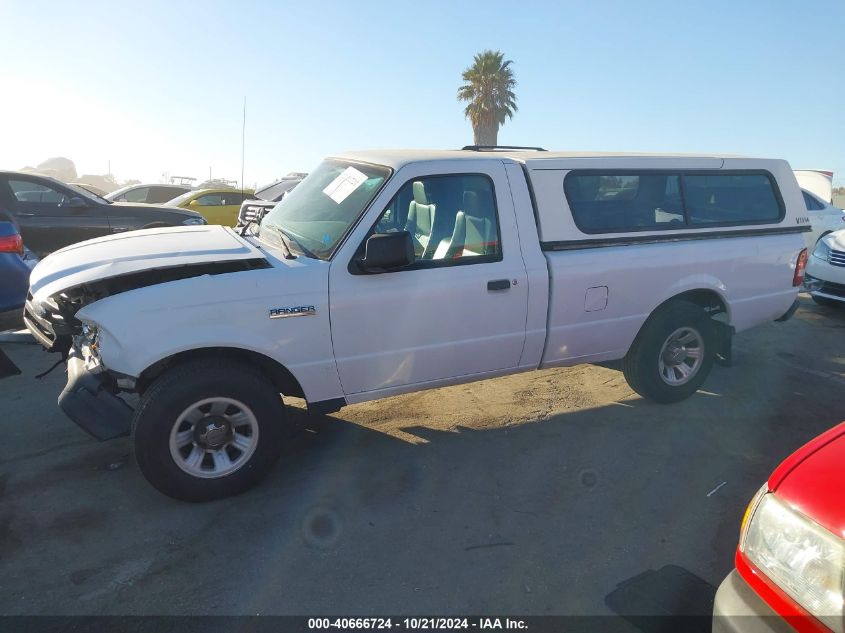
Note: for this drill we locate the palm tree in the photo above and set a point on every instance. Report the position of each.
(488, 88)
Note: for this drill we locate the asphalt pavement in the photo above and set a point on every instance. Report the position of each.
(550, 492)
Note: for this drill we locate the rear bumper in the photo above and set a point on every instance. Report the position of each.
(14, 283)
(738, 609)
(788, 314)
(87, 401)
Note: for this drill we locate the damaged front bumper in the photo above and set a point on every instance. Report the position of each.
(90, 397)
(89, 400)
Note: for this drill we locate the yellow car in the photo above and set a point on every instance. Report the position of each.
(217, 206)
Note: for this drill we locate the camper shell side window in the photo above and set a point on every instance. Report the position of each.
(622, 201)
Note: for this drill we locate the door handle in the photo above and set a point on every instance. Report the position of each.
(26, 215)
(499, 284)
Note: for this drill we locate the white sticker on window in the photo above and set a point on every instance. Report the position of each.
(341, 187)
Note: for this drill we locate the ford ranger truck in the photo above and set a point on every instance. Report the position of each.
(387, 272)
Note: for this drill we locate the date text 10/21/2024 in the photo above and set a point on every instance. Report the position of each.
(418, 623)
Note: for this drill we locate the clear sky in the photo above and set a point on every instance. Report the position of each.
(159, 86)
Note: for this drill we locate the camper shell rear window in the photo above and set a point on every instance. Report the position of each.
(622, 201)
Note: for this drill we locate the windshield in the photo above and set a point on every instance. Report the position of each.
(324, 206)
(90, 195)
(111, 196)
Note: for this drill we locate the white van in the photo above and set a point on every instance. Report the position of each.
(386, 272)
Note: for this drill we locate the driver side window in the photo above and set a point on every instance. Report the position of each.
(28, 191)
(210, 200)
(136, 195)
(452, 219)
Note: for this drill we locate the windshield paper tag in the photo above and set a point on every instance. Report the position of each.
(341, 187)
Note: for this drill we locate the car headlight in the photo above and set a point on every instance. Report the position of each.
(822, 250)
(193, 221)
(88, 345)
(801, 557)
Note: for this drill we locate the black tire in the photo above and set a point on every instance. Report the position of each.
(641, 365)
(824, 301)
(180, 388)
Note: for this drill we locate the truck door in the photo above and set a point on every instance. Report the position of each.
(459, 310)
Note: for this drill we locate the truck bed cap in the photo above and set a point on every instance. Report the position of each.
(398, 157)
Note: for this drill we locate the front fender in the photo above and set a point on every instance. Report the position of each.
(145, 326)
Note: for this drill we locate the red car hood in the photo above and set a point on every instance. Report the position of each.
(812, 480)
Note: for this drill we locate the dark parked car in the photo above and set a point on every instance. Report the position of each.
(51, 214)
(147, 194)
(14, 275)
(266, 197)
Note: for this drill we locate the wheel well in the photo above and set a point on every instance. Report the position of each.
(715, 307)
(709, 300)
(280, 376)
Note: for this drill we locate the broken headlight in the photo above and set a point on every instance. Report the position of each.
(88, 344)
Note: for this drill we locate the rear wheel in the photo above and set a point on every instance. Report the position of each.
(207, 430)
(673, 353)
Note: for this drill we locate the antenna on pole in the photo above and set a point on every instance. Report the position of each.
(243, 145)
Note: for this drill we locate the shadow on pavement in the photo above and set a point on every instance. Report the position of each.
(545, 517)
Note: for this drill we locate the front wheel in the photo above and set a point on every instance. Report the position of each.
(673, 353)
(207, 430)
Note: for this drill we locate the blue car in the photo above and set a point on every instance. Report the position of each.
(15, 264)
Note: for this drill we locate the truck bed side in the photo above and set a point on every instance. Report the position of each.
(603, 288)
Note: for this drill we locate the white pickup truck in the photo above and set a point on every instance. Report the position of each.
(387, 272)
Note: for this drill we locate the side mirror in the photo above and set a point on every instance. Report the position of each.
(387, 251)
(193, 203)
(77, 203)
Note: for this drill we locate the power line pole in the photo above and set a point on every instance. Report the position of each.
(243, 146)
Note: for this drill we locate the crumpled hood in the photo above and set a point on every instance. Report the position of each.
(136, 251)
